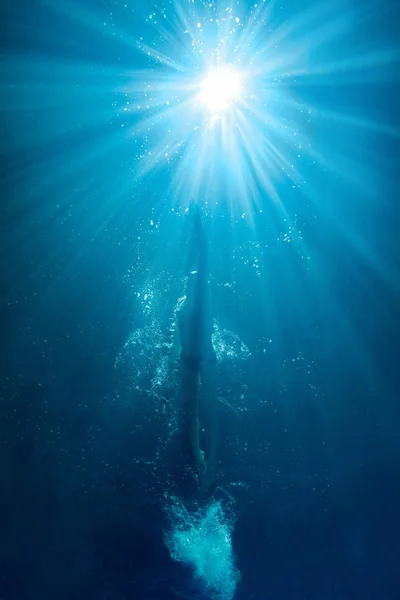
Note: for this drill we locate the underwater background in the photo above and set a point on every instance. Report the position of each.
(104, 149)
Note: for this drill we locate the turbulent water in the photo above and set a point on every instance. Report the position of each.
(144, 358)
(202, 540)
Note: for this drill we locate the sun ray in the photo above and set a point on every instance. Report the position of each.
(176, 110)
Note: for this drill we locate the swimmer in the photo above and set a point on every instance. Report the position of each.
(198, 361)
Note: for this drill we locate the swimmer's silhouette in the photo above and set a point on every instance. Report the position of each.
(198, 362)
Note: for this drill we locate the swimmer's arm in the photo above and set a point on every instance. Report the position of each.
(202, 266)
(202, 261)
(176, 343)
(176, 338)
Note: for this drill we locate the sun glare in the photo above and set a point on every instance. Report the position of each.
(224, 98)
(220, 89)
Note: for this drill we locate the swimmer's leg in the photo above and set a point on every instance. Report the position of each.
(190, 407)
(209, 418)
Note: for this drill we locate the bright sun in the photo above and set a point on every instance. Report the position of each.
(220, 89)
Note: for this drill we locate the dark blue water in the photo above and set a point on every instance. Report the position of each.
(95, 244)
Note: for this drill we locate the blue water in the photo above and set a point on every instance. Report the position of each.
(105, 146)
